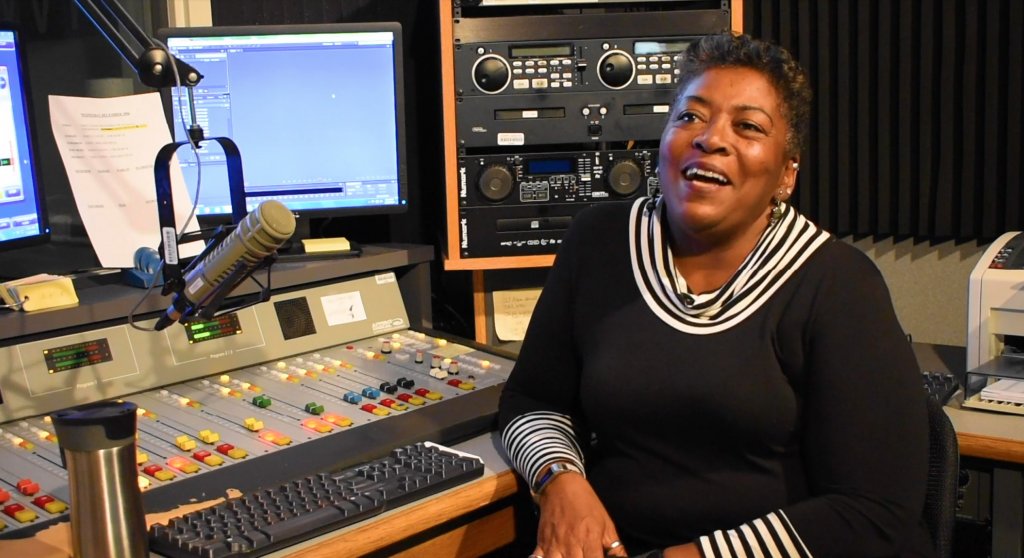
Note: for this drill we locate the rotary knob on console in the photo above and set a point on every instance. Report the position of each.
(491, 74)
(624, 177)
(495, 183)
(616, 69)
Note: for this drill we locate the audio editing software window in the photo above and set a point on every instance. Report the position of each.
(313, 116)
(10, 174)
(19, 216)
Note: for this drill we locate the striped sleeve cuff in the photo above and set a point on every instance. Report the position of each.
(535, 440)
(769, 536)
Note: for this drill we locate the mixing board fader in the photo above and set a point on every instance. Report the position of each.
(242, 401)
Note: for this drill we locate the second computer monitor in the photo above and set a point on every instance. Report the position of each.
(316, 111)
(22, 212)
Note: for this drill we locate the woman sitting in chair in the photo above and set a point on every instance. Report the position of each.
(707, 372)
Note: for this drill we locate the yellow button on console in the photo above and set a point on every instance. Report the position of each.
(185, 443)
(55, 506)
(209, 436)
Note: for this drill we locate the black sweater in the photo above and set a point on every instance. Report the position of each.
(799, 428)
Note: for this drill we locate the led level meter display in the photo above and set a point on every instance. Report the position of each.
(208, 330)
(69, 357)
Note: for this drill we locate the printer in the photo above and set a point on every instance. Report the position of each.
(995, 328)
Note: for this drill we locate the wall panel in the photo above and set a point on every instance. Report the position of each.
(917, 113)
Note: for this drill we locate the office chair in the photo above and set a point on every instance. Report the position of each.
(943, 473)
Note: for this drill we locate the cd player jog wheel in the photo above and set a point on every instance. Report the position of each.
(495, 183)
(616, 69)
(491, 74)
(624, 177)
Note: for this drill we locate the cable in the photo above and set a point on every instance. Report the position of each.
(149, 289)
(193, 145)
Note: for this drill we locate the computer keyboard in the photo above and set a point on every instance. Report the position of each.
(269, 519)
(940, 386)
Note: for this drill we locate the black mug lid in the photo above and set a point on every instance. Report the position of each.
(98, 425)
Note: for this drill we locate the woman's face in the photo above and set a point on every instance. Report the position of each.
(723, 156)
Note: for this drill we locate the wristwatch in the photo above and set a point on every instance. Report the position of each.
(555, 469)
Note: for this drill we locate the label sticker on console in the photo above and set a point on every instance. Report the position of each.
(393, 323)
(511, 138)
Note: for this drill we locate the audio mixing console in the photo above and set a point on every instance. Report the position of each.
(313, 380)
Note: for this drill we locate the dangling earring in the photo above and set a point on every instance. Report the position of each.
(776, 214)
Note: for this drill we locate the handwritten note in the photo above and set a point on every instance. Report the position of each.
(343, 308)
(512, 311)
(108, 147)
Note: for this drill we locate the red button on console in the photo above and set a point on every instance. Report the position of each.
(28, 487)
(42, 500)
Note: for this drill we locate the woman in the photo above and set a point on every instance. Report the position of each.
(708, 371)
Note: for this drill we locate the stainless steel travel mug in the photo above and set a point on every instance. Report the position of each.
(98, 446)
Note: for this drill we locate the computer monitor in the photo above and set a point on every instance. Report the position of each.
(22, 211)
(316, 112)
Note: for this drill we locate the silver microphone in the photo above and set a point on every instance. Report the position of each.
(257, 236)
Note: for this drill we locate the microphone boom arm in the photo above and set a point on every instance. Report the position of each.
(151, 62)
(157, 67)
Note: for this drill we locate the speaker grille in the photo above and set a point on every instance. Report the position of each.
(295, 319)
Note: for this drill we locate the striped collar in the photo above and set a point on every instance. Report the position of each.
(780, 251)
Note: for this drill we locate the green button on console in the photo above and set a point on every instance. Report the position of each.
(261, 401)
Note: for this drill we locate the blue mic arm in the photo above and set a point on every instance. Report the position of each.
(173, 278)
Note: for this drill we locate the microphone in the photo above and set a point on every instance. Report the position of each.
(257, 236)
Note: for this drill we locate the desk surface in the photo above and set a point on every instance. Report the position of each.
(983, 434)
(988, 435)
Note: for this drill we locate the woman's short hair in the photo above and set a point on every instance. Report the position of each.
(727, 50)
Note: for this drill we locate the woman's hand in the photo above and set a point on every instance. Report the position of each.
(574, 523)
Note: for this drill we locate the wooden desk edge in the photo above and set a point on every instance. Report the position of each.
(414, 518)
(990, 447)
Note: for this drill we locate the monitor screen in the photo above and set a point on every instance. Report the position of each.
(22, 215)
(316, 112)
